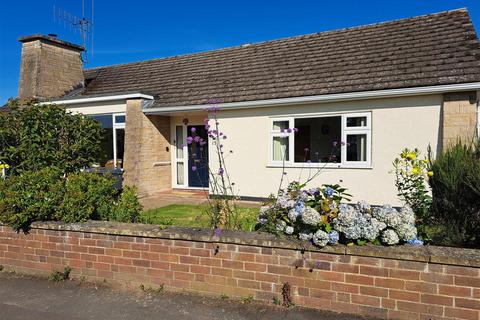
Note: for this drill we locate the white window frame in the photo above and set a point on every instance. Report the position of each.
(116, 126)
(278, 133)
(367, 130)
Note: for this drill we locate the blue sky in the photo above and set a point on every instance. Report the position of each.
(128, 30)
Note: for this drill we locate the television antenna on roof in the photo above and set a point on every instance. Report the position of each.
(81, 25)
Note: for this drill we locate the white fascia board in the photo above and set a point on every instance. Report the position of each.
(376, 94)
(100, 99)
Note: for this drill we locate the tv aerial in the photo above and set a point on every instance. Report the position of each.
(83, 26)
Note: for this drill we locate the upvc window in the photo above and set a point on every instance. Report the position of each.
(113, 139)
(340, 140)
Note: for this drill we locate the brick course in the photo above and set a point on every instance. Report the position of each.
(376, 286)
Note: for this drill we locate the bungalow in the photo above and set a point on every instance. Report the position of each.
(379, 88)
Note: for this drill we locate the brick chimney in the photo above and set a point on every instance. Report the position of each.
(49, 68)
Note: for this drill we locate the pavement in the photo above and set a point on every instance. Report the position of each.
(29, 298)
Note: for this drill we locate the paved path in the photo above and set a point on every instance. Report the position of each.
(37, 299)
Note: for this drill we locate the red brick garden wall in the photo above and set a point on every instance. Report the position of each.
(394, 283)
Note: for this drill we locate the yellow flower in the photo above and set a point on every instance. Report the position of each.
(416, 170)
(411, 156)
(430, 173)
(425, 161)
(4, 166)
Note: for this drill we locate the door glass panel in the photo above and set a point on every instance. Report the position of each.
(180, 174)
(179, 142)
(280, 149)
(357, 147)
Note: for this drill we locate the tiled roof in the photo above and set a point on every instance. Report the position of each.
(427, 50)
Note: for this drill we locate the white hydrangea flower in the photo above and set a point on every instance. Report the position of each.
(305, 236)
(264, 209)
(407, 214)
(310, 216)
(292, 215)
(390, 237)
(281, 225)
(289, 230)
(363, 206)
(320, 238)
(379, 225)
(406, 231)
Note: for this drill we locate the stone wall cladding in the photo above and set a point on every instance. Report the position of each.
(147, 150)
(459, 117)
(48, 70)
(390, 283)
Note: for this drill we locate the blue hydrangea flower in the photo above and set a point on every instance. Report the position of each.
(329, 192)
(333, 237)
(415, 242)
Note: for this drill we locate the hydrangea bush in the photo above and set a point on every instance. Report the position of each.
(317, 215)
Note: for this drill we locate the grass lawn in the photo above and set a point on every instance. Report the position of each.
(187, 215)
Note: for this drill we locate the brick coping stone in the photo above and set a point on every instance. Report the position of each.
(430, 254)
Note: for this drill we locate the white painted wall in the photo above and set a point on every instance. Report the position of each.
(92, 108)
(396, 123)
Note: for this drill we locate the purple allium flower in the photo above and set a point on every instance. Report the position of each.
(221, 171)
(295, 130)
(194, 168)
(189, 140)
(196, 139)
(343, 143)
(289, 130)
(282, 130)
(193, 129)
(218, 232)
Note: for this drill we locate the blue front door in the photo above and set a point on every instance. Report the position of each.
(198, 158)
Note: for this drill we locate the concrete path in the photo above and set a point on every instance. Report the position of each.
(25, 298)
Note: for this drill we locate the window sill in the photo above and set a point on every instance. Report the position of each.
(319, 166)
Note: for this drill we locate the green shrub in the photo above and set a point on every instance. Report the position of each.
(48, 195)
(455, 187)
(127, 208)
(33, 196)
(88, 196)
(33, 137)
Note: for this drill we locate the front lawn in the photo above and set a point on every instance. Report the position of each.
(187, 215)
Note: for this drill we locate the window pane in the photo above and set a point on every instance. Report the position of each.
(119, 119)
(279, 125)
(357, 147)
(180, 180)
(120, 146)
(318, 139)
(105, 157)
(104, 119)
(356, 121)
(280, 149)
(179, 141)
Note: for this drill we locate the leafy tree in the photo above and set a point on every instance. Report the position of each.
(35, 136)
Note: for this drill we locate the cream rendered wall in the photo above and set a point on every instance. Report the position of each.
(99, 107)
(396, 123)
